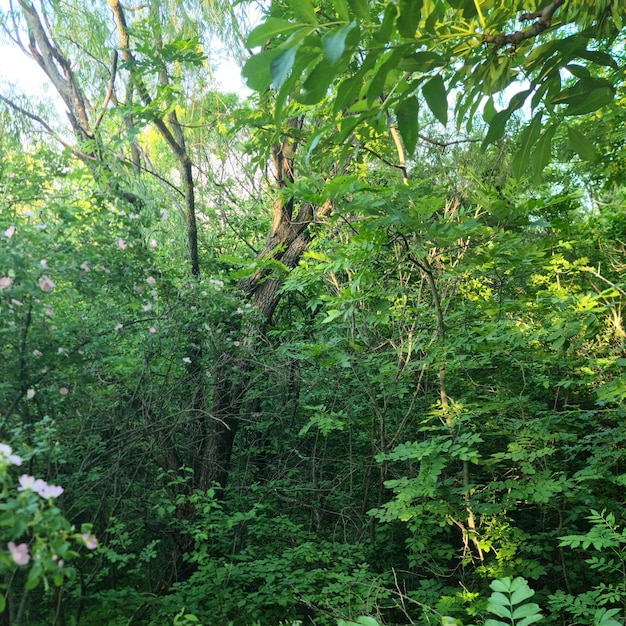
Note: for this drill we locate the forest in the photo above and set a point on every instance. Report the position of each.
(345, 347)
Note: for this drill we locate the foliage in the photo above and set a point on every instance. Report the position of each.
(351, 351)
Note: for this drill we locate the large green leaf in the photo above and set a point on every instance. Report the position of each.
(586, 96)
(271, 27)
(528, 138)
(581, 145)
(496, 127)
(281, 65)
(434, 92)
(304, 9)
(256, 71)
(543, 150)
(361, 9)
(406, 114)
(408, 20)
(335, 42)
(316, 85)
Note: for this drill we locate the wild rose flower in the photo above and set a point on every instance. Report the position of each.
(6, 455)
(5, 282)
(50, 491)
(44, 263)
(8, 233)
(150, 280)
(31, 483)
(90, 541)
(121, 244)
(39, 486)
(64, 391)
(19, 554)
(45, 284)
(152, 329)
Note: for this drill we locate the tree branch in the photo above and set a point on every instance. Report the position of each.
(543, 20)
(79, 153)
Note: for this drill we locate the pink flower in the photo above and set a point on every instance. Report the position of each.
(5, 282)
(121, 244)
(19, 554)
(64, 391)
(153, 243)
(31, 483)
(8, 233)
(236, 343)
(45, 284)
(49, 312)
(152, 329)
(50, 491)
(6, 455)
(39, 486)
(150, 280)
(44, 263)
(90, 541)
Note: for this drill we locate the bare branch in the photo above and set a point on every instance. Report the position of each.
(109, 93)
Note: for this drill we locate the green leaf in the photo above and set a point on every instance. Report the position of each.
(586, 96)
(280, 66)
(543, 150)
(496, 127)
(335, 43)
(408, 20)
(526, 610)
(315, 87)
(331, 315)
(528, 138)
(522, 593)
(499, 598)
(383, 34)
(341, 7)
(599, 58)
(406, 113)
(499, 610)
(531, 619)
(434, 92)
(421, 61)
(489, 110)
(256, 71)
(503, 585)
(271, 27)
(366, 620)
(304, 9)
(590, 102)
(581, 145)
(361, 9)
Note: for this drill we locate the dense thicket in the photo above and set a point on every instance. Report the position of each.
(351, 347)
